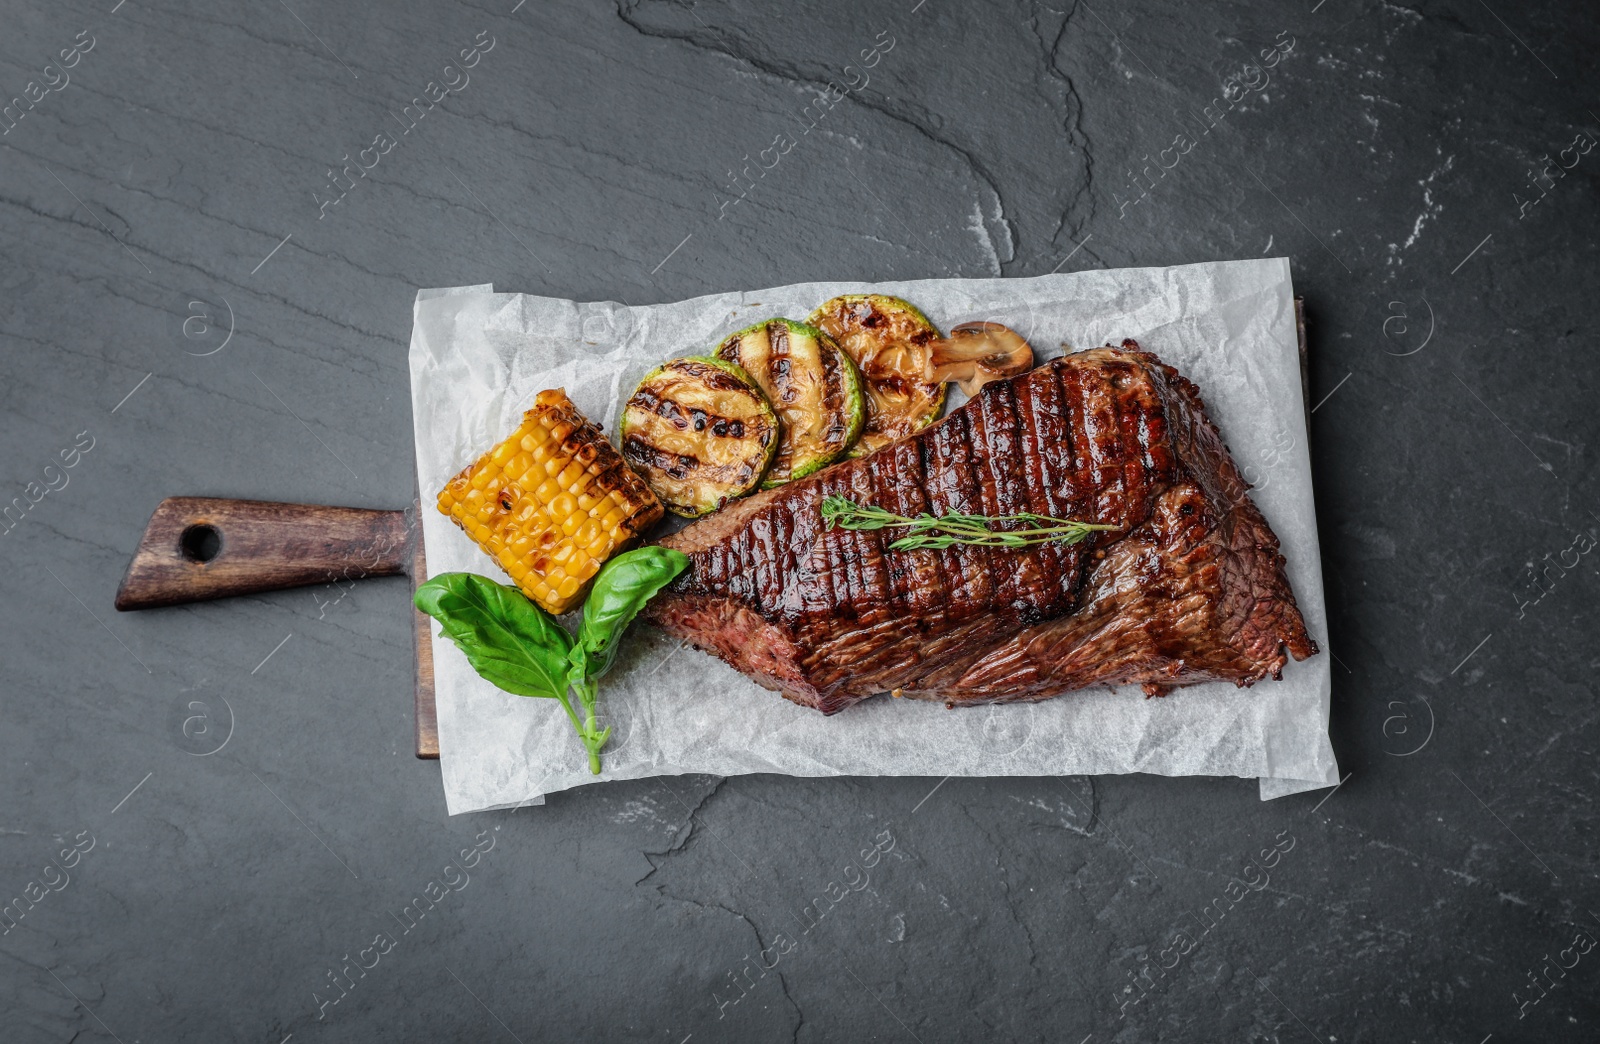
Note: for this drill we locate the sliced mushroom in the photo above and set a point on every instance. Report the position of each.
(976, 353)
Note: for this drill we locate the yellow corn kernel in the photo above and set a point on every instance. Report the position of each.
(551, 503)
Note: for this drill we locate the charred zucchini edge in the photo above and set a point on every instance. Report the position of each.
(701, 505)
(936, 398)
(853, 387)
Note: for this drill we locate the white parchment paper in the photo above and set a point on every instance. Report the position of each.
(478, 358)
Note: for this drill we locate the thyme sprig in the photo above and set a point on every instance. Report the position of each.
(941, 531)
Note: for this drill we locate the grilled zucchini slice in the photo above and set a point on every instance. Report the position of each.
(891, 342)
(700, 432)
(813, 387)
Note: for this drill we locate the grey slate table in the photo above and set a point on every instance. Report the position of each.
(197, 299)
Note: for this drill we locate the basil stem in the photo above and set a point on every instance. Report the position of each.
(621, 589)
(511, 642)
(517, 646)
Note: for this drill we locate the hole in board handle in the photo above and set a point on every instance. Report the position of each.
(200, 542)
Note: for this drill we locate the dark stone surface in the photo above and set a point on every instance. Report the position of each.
(1453, 449)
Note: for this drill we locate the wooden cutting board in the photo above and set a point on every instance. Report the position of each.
(200, 548)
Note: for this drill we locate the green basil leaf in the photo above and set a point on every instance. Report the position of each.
(623, 587)
(508, 640)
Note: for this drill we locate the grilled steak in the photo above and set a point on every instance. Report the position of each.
(1189, 588)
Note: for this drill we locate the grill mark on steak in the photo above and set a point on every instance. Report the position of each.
(919, 582)
(832, 585)
(1190, 587)
(1043, 425)
(1131, 450)
(876, 487)
(995, 429)
(917, 577)
(1084, 492)
(956, 490)
(773, 556)
(1105, 449)
(926, 577)
(945, 565)
(844, 557)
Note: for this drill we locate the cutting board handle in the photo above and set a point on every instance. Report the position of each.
(199, 548)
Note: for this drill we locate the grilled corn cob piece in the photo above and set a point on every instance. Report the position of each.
(551, 503)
